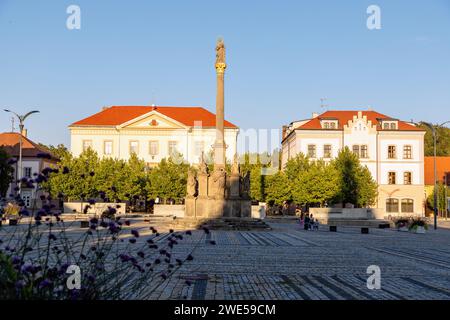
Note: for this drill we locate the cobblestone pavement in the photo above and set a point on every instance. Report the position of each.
(289, 263)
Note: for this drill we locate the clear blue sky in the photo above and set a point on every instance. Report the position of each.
(283, 57)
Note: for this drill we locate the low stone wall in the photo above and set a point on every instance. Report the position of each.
(169, 210)
(97, 209)
(325, 214)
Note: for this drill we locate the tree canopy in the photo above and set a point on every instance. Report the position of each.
(6, 172)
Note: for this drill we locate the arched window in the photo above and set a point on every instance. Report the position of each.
(408, 206)
(392, 205)
(333, 125)
(327, 125)
(393, 126)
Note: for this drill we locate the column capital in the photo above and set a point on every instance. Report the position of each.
(220, 67)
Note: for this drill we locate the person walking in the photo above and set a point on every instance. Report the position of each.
(311, 221)
(302, 220)
(306, 226)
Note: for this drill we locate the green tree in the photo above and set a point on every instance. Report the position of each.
(168, 180)
(320, 183)
(441, 199)
(356, 183)
(296, 171)
(297, 166)
(277, 188)
(443, 141)
(59, 151)
(79, 182)
(6, 173)
(367, 192)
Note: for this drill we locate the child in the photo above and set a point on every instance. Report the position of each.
(316, 225)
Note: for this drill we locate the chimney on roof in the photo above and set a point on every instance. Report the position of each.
(104, 108)
(315, 115)
(24, 132)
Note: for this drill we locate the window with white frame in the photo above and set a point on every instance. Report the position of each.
(356, 150)
(153, 148)
(407, 178)
(364, 151)
(107, 147)
(407, 205)
(327, 151)
(392, 178)
(392, 152)
(407, 152)
(134, 147)
(392, 205)
(87, 144)
(172, 149)
(312, 151)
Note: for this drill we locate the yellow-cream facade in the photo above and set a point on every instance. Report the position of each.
(392, 150)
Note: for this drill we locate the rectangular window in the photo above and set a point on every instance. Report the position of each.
(87, 144)
(153, 148)
(27, 172)
(407, 178)
(392, 178)
(407, 152)
(172, 148)
(108, 148)
(392, 152)
(356, 150)
(327, 151)
(312, 151)
(134, 147)
(392, 206)
(408, 206)
(364, 152)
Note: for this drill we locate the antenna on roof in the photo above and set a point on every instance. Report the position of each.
(322, 105)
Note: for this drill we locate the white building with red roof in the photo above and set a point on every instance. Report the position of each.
(152, 132)
(33, 162)
(393, 151)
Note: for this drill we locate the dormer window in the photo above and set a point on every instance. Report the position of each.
(329, 124)
(389, 124)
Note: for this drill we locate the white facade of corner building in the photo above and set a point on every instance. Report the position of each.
(362, 132)
(140, 131)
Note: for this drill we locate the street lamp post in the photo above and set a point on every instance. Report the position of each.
(21, 127)
(434, 131)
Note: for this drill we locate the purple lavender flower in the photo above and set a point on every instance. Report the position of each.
(135, 233)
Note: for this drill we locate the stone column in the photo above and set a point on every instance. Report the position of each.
(219, 145)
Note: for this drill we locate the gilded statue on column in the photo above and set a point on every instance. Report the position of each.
(220, 56)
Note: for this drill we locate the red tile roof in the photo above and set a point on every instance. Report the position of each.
(117, 115)
(443, 167)
(9, 141)
(345, 116)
